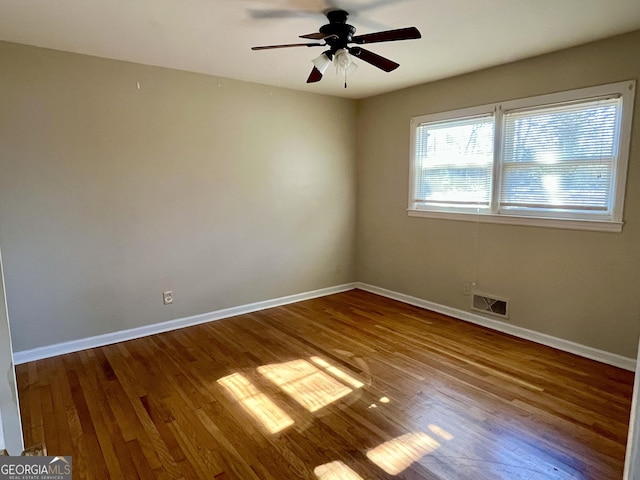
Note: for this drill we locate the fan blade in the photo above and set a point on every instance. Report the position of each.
(410, 33)
(374, 59)
(315, 36)
(319, 36)
(314, 76)
(288, 45)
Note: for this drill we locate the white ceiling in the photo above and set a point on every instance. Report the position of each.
(215, 36)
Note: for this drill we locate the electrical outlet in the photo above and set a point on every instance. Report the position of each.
(167, 297)
(467, 288)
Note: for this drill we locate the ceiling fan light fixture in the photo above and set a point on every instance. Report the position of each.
(322, 63)
(344, 62)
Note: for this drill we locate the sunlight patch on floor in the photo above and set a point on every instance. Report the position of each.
(305, 383)
(441, 432)
(398, 454)
(335, 471)
(256, 403)
(338, 373)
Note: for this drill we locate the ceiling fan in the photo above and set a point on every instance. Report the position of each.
(337, 35)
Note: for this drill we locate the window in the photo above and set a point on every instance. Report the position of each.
(556, 160)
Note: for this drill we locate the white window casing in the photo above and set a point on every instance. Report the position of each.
(557, 160)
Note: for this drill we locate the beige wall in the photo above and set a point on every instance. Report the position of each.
(223, 191)
(229, 193)
(576, 285)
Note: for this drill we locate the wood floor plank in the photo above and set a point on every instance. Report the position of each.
(125, 460)
(149, 439)
(348, 381)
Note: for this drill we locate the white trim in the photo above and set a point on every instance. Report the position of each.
(568, 96)
(632, 460)
(542, 338)
(460, 114)
(573, 224)
(14, 435)
(620, 181)
(39, 353)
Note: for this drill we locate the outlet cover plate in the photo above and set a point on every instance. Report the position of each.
(167, 297)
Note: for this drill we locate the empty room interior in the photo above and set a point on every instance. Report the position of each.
(418, 261)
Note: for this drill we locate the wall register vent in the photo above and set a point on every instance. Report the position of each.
(488, 303)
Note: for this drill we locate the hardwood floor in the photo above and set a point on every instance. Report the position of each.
(345, 387)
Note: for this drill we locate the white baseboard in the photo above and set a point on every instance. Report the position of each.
(39, 353)
(544, 339)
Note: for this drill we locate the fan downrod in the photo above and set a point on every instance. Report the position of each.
(337, 16)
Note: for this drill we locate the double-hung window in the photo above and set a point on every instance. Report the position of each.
(556, 160)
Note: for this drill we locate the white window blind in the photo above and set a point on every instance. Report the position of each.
(555, 160)
(454, 160)
(560, 158)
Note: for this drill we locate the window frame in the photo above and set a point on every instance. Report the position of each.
(611, 222)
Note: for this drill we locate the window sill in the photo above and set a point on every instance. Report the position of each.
(591, 225)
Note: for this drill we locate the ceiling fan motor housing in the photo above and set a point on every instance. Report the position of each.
(343, 32)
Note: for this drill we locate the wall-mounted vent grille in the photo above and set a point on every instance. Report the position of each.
(488, 303)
